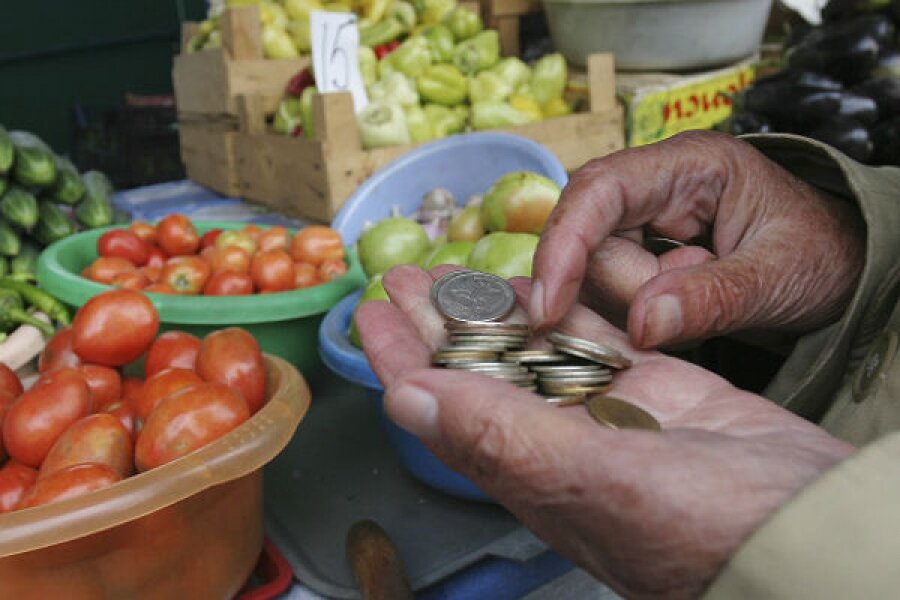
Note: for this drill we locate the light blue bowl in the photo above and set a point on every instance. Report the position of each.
(464, 164)
(349, 362)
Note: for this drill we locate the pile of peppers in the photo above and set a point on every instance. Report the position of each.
(431, 70)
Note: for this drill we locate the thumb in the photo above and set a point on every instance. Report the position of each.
(704, 300)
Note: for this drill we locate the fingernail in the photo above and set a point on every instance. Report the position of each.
(536, 304)
(413, 409)
(662, 320)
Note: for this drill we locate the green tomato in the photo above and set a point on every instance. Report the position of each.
(451, 253)
(467, 225)
(504, 254)
(519, 202)
(392, 241)
(374, 290)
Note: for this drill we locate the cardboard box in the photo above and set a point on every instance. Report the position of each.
(659, 105)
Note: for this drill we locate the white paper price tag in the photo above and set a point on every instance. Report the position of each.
(335, 46)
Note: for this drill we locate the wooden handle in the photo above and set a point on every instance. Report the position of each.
(376, 564)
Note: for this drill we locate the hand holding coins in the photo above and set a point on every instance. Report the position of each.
(574, 371)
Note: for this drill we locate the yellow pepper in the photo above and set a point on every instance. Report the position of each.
(527, 106)
(555, 107)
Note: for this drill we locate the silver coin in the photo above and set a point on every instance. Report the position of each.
(577, 380)
(570, 389)
(441, 281)
(589, 369)
(563, 401)
(533, 356)
(484, 364)
(590, 350)
(480, 337)
(475, 296)
(487, 327)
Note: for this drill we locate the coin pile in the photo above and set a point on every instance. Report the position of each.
(474, 303)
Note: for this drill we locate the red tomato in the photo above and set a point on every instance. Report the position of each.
(160, 288)
(163, 384)
(105, 383)
(123, 243)
(70, 482)
(316, 243)
(275, 238)
(6, 400)
(231, 356)
(177, 349)
(114, 328)
(9, 380)
(43, 413)
(131, 388)
(99, 438)
(237, 238)
(187, 420)
(15, 481)
(106, 268)
(134, 280)
(186, 274)
(305, 275)
(229, 283)
(145, 231)
(58, 352)
(177, 236)
(125, 412)
(272, 270)
(229, 258)
(209, 238)
(156, 258)
(332, 268)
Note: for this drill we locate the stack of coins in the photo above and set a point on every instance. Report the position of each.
(575, 371)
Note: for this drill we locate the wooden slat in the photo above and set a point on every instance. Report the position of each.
(503, 8)
(208, 155)
(201, 82)
(242, 33)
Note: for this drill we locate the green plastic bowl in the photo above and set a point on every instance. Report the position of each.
(285, 324)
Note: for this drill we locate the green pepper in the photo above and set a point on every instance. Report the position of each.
(404, 13)
(417, 123)
(13, 314)
(299, 31)
(555, 107)
(382, 124)
(548, 77)
(39, 299)
(445, 120)
(463, 23)
(513, 70)
(433, 11)
(443, 84)
(382, 32)
(496, 114)
(307, 119)
(411, 58)
(488, 85)
(394, 87)
(368, 65)
(440, 42)
(287, 116)
(477, 53)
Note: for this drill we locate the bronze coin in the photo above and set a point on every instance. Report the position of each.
(619, 414)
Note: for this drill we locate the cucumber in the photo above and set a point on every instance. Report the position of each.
(95, 209)
(52, 224)
(7, 152)
(19, 207)
(4, 183)
(25, 262)
(35, 164)
(4, 266)
(68, 188)
(9, 240)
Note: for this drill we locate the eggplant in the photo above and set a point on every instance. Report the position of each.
(862, 108)
(847, 135)
(886, 142)
(887, 67)
(885, 93)
(894, 11)
(848, 57)
(788, 107)
(743, 122)
(801, 78)
(838, 10)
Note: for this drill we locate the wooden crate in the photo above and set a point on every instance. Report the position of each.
(207, 151)
(503, 15)
(311, 178)
(208, 82)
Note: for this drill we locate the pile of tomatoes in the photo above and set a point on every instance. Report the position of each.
(171, 257)
(84, 425)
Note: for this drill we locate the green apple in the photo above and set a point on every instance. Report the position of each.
(392, 241)
(374, 290)
(451, 253)
(519, 202)
(466, 225)
(504, 254)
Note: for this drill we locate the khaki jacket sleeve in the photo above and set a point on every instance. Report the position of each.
(838, 537)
